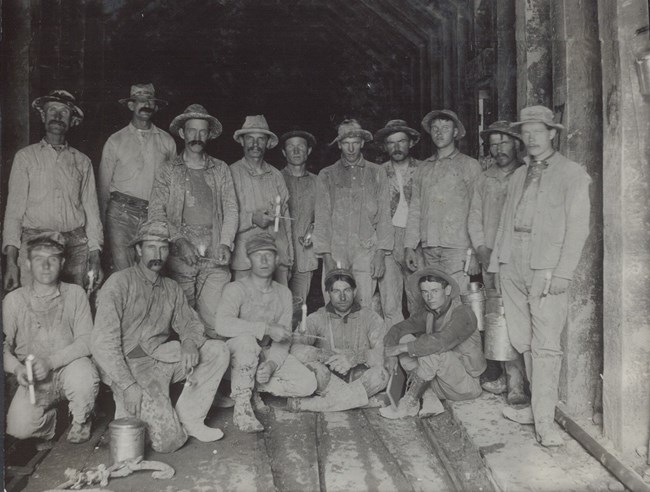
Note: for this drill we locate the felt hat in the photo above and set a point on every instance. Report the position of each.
(61, 96)
(351, 128)
(413, 283)
(143, 92)
(259, 242)
(432, 115)
(394, 126)
(256, 124)
(501, 126)
(51, 239)
(336, 272)
(537, 114)
(196, 112)
(311, 140)
(152, 230)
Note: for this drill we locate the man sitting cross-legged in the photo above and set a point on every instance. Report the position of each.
(440, 347)
(342, 339)
(137, 310)
(254, 315)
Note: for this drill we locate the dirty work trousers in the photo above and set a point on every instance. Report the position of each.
(393, 283)
(446, 371)
(76, 256)
(292, 378)
(535, 330)
(202, 283)
(299, 284)
(450, 261)
(358, 260)
(78, 382)
(124, 215)
(374, 379)
(280, 275)
(163, 422)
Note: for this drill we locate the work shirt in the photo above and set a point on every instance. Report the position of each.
(400, 196)
(442, 192)
(55, 327)
(169, 194)
(448, 329)
(130, 160)
(245, 310)
(53, 191)
(352, 209)
(561, 218)
(525, 213)
(198, 199)
(136, 316)
(302, 205)
(359, 334)
(257, 190)
(490, 192)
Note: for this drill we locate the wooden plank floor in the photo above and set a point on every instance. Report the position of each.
(346, 451)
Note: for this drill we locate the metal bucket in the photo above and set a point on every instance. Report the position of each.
(494, 302)
(127, 439)
(475, 298)
(497, 341)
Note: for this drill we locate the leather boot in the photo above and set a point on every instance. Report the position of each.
(258, 403)
(409, 405)
(337, 397)
(244, 418)
(515, 383)
(431, 404)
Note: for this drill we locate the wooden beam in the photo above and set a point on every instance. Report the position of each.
(506, 60)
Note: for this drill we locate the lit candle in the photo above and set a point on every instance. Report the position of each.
(276, 225)
(338, 265)
(468, 258)
(303, 323)
(547, 286)
(91, 281)
(201, 249)
(30, 378)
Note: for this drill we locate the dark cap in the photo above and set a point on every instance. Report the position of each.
(260, 242)
(50, 239)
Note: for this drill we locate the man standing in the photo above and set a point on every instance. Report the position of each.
(49, 320)
(195, 196)
(440, 348)
(341, 340)
(137, 310)
(485, 211)
(543, 228)
(254, 316)
(258, 186)
(353, 225)
(52, 188)
(130, 160)
(296, 147)
(398, 140)
(444, 185)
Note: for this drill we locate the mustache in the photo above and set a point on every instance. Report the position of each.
(58, 122)
(153, 263)
(196, 142)
(146, 110)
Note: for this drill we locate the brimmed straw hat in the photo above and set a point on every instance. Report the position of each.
(61, 96)
(151, 230)
(143, 92)
(395, 126)
(196, 112)
(429, 117)
(256, 124)
(351, 128)
(538, 114)
(413, 283)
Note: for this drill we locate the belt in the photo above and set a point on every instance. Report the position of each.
(132, 201)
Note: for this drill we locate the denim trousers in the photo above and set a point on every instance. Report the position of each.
(122, 222)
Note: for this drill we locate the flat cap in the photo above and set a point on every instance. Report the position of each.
(50, 239)
(259, 242)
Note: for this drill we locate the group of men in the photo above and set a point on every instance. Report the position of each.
(179, 225)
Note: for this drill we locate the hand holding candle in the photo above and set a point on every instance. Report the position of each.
(30, 378)
(276, 224)
(468, 259)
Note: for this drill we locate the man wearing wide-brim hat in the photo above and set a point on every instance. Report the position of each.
(439, 348)
(262, 195)
(439, 207)
(130, 159)
(296, 147)
(398, 139)
(353, 226)
(485, 211)
(52, 188)
(194, 194)
(132, 342)
(543, 228)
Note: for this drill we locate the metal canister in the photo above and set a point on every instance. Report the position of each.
(127, 439)
(497, 340)
(475, 298)
(493, 302)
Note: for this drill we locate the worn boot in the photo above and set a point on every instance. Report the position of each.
(337, 397)
(223, 401)
(409, 405)
(522, 416)
(79, 432)
(431, 404)
(244, 417)
(515, 383)
(496, 387)
(258, 403)
(548, 435)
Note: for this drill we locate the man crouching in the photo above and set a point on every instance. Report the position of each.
(342, 339)
(50, 321)
(137, 310)
(439, 347)
(254, 315)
